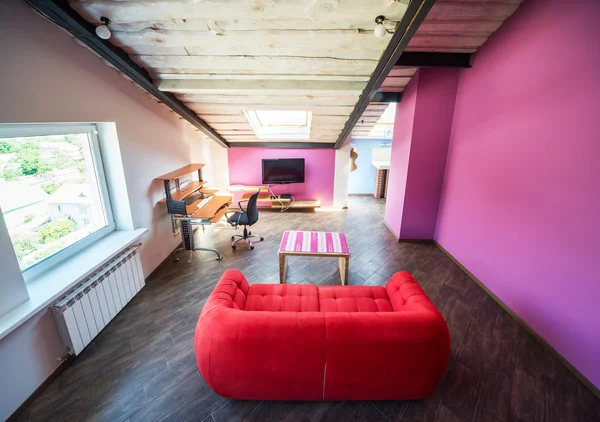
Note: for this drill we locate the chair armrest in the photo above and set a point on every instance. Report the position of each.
(240, 204)
(229, 217)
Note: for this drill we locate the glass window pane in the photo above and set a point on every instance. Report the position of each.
(282, 118)
(49, 194)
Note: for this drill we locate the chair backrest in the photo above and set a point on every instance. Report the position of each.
(252, 209)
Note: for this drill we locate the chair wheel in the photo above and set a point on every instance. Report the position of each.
(232, 246)
(252, 247)
(249, 233)
(232, 238)
(262, 238)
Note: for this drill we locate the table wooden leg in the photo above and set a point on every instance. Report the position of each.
(343, 262)
(282, 268)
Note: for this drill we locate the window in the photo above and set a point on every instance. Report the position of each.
(51, 177)
(384, 127)
(276, 124)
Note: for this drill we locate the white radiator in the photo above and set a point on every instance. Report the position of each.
(83, 312)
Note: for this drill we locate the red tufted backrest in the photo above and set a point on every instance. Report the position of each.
(230, 292)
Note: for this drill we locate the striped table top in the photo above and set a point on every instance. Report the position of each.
(314, 242)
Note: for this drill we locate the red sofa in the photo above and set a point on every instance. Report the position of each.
(303, 342)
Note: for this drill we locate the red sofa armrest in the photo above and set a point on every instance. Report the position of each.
(234, 346)
(262, 355)
(406, 294)
(230, 292)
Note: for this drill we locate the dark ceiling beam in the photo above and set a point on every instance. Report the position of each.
(387, 97)
(59, 12)
(267, 144)
(425, 59)
(406, 28)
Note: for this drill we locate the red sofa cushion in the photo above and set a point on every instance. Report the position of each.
(354, 299)
(342, 352)
(282, 297)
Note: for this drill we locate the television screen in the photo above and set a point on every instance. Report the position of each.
(282, 170)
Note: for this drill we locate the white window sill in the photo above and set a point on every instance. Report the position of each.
(50, 286)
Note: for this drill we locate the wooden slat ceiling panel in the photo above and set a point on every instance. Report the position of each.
(461, 26)
(223, 58)
(368, 119)
(453, 27)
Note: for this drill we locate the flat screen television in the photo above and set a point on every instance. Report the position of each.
(282, 170)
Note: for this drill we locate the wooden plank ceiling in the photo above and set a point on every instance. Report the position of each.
(450, 27)
(223, 57)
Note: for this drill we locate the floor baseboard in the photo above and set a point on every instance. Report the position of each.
(391, 231)
(38, 391)
(421, 241)
(524, 324)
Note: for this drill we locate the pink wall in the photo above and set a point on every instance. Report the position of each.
(245, 168)
(433, 121)
(401, 140)
(520, 205)
(419, 150)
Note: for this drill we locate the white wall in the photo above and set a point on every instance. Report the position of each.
(341, 176)
(47, 77)
(12, 287)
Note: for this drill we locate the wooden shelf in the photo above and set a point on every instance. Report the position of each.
(183, 171)
(189, 189)
(209, 190)
(220, 213)
(301, 204)
(254, 189)
(266, 198)
(213, 206)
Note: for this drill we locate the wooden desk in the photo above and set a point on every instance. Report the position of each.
(199, 213)
(209, 209)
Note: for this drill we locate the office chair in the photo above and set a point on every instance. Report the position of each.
(246, 217)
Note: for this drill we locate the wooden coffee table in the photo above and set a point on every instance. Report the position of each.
(322, 244)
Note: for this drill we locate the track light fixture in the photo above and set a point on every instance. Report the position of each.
(380, 28)
(102, 30)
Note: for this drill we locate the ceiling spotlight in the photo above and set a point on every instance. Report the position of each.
(102, 30)
(380, 28)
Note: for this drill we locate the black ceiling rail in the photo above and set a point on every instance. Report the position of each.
(59, 12)
(406, 28)
(427, 59)
(281, 145)
(387, 97)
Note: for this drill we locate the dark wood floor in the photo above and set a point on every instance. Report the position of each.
(142, 367)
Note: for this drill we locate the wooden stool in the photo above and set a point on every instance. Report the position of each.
(321, 244)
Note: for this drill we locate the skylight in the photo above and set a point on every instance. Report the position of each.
(280, 124)
(384, 128)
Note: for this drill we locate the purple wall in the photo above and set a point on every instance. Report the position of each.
(433, 121)
(419, 150)
(401, 140)
(245, 168)
(520, 206)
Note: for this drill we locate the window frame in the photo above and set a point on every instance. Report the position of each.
(283, 131)
(26, 130)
